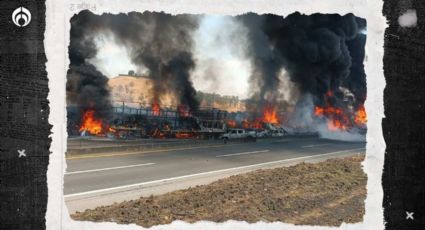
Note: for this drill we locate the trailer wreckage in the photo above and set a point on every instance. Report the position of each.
(155, 122)
(150, 122)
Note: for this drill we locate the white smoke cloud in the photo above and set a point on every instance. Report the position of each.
(111, 59)
(288, 90)
(221, 63)
(341, 135)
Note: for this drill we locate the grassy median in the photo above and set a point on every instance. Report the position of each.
(326, 193)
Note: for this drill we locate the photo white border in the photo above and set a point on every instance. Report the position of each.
(56, 43)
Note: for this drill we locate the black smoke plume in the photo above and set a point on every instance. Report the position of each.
(315, 50)
(267, 63)
(357, 79)
(160, 42)
(87, 87)
(163, 44)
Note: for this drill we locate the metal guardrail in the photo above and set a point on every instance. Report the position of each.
(153, 145)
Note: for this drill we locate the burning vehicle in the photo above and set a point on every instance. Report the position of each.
(152, 122)
(341, 118)
(267, 124)
(306, 75)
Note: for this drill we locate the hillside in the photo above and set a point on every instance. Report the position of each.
(136, 90)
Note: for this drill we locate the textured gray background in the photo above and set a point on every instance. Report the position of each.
(403, 125)
(24, 114)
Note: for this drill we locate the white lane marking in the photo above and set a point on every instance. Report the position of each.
(205, 173)
(105, 169)
(311, 146)
(244, 153)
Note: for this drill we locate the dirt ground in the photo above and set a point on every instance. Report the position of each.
(326, 193)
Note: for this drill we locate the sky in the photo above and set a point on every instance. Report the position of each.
(221, 64)
(111, 58)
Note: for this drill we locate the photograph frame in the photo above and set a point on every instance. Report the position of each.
(57, 25)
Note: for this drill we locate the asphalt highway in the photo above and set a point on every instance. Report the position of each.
(103, 172)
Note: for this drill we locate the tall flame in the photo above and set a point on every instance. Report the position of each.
(270, 115)
(90, 123)
(156, 109)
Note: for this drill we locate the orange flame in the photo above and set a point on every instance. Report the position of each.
(337, 119)
(184, 135)
(246, 124)
(361, 117)
(257, 124)
(90, 123)
(156, 109)
(270, 115)
(231, 123)
(335, 125)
